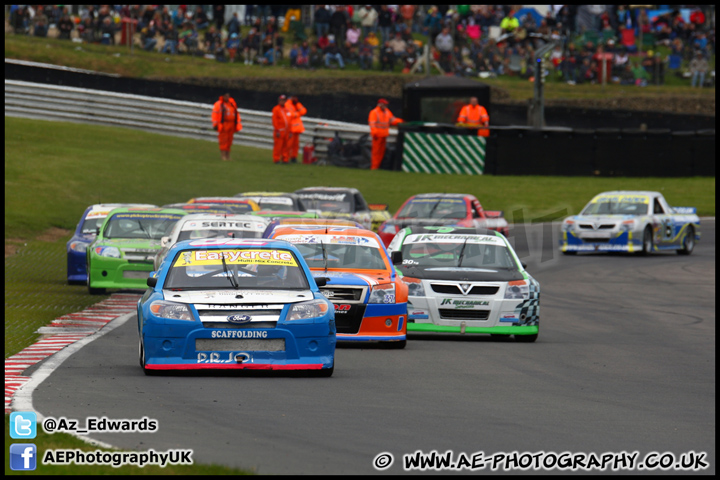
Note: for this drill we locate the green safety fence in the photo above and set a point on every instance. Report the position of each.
(443, 153)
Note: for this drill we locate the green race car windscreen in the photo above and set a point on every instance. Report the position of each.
(151, 226)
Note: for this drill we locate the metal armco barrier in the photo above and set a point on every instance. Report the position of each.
(158, 115)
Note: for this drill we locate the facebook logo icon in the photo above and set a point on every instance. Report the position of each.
(23, 425)
(23, 456)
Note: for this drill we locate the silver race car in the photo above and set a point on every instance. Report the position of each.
(630, 221)
(466, 280)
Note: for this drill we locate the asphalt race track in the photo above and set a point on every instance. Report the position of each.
(625, 361)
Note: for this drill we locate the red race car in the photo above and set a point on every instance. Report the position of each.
(439, 209)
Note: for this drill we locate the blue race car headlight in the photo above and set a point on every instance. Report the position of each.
(383, 294)
(110, 252)
(305, 310)
(171, 310)
(79, 246)
(518, 291)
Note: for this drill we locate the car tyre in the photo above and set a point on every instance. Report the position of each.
(688, 243)
(94, 291)
(141, 358)
(394, 345)
(647, 245)
(526, 338)
(568, 252)
(325, 372)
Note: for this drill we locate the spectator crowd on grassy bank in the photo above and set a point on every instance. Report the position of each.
(592, 43)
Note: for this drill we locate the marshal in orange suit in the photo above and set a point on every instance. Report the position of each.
(474, 115)
(281, 129)
(295, 111)
(226, 121)
(380, 120)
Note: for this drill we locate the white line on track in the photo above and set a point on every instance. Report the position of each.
(22, 400)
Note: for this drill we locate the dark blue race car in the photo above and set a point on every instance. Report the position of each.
(85, 233)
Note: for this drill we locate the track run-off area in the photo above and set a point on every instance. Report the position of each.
(625, 362)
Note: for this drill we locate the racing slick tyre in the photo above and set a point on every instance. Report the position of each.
(688, 243)
(647, 245)
(141, 358)
(94, 291)
(325, 372)
(399, 345)
(569, 253)
(526, 338)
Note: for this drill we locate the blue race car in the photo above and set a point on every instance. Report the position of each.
(235, 304)
(85, 233)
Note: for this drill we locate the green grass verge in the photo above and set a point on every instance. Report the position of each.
(54, 170)
(36, 292)
(45, 442)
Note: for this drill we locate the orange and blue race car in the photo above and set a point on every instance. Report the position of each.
(370, 298)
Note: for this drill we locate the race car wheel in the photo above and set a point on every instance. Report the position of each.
(94, 291)
(394, 345)
(325, 372)
(688, 243)
(647, 245)
(526, 338)
(567, 252)
(141, 357)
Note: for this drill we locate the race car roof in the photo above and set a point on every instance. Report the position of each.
(221, 217)
(629, 192)
(160, 210)
(330, 230)
(217, 243)
(266, 194)
(442, 195)
(445, 230)
(327, 189)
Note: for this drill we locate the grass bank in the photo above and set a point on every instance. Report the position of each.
(152, 65)
(54, 170)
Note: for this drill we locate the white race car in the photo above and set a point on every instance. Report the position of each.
(211, 225)
(466, 280)
(630, 221)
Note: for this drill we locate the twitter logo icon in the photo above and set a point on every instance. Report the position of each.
(23, 425)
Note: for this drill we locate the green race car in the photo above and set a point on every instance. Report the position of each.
(126, 244)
